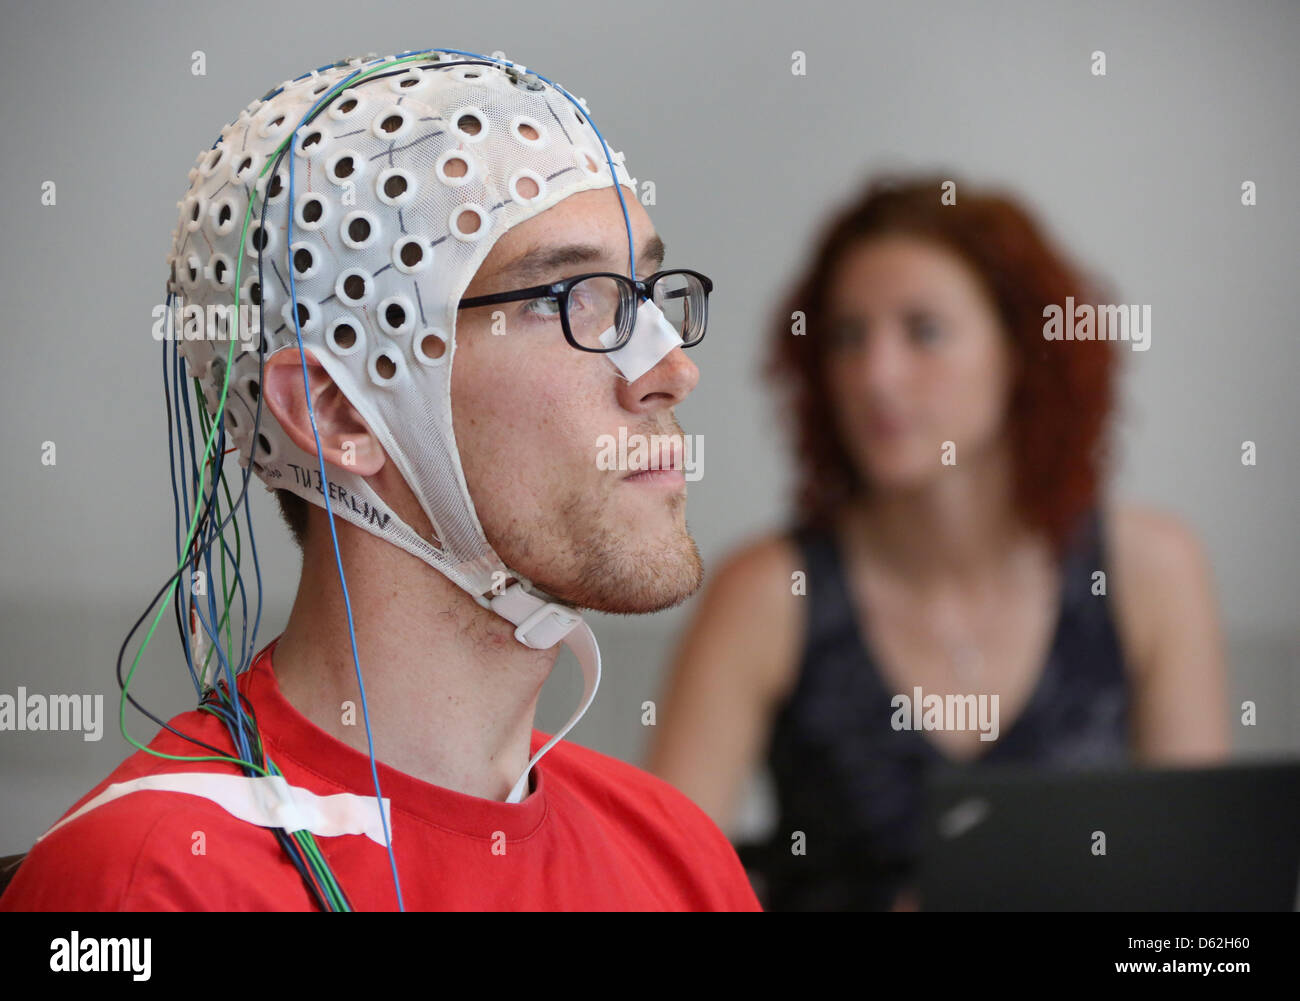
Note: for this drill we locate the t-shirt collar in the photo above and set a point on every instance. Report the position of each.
(290, 734)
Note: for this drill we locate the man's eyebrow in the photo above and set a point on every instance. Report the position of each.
(541, 263)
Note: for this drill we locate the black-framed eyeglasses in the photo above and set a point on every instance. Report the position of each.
(597, 311)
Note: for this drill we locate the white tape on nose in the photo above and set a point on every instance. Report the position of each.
(652, 338)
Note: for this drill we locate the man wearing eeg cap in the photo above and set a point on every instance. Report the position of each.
(433, 244)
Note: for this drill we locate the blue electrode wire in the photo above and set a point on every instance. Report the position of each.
(173, 442)
(172, 582)
(316, 886)
(403, 57)
(321, 103)
(202, 544)
(176, 443)
(188, 608)
(618, 188)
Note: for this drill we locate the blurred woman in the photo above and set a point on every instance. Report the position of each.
(950, 534)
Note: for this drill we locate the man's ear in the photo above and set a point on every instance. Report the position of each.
(345, 439)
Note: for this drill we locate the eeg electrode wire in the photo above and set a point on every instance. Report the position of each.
(241, 723)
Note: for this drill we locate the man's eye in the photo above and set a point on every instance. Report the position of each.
(542, 309)
(580, 300)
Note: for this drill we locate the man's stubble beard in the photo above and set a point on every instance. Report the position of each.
(593, 564)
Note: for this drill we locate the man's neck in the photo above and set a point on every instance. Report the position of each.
(450, 691)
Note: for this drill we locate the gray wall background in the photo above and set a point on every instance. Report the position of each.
(1138, 173)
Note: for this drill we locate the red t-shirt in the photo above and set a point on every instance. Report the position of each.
(595, 833)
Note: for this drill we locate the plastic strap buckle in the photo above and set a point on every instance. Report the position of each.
(546, 626)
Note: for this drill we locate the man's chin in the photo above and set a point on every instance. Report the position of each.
(623, 580)
(641, 598)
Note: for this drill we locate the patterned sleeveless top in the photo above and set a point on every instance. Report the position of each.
(853, 784)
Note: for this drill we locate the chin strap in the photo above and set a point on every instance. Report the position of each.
(272, 802)
(539, 625)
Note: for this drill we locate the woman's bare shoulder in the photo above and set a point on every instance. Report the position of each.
(762, 559)
(1152, 553)
(753, 594)
(1159, 540)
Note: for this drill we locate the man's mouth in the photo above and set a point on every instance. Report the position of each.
(672, 478)
(663, 466)
(659, 458)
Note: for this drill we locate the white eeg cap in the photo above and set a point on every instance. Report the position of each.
(385, 240)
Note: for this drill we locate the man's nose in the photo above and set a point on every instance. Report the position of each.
(666, 385)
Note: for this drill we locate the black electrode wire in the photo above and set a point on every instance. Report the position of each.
(200, 543)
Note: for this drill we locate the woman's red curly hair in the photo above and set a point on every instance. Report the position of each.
(1058, 412)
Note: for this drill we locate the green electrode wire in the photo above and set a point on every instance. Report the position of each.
(204, 424)
(304, 838)
(220, 408)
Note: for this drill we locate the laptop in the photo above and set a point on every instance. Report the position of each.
(1004, 837)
